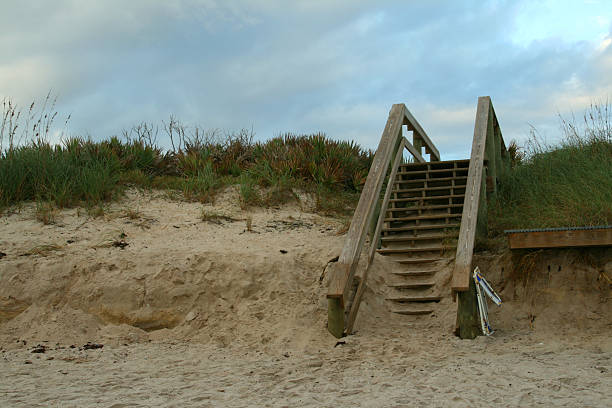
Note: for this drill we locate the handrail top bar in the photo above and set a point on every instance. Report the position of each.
(358, 229)
(486, 130)
(415, 126)
(355, 237)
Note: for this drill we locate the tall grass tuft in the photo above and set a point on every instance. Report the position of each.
(566, 185)
(78, 172)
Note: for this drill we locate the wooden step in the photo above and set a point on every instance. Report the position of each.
(412, 312)
(434, 164)
(420, 227)
(409, 274)
(415, 260)
(417, 190)
(421, 249)
(415, 298)
(424, 217)
(405, 238)
(425, 207)
(436, 171)
(430, 179)
(419, 285)
(440, 197)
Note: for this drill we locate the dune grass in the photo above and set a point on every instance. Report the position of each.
(569, 184)
(81, 172)
(563, 185)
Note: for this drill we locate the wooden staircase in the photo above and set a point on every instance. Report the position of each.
(420, 231)
(430, 216)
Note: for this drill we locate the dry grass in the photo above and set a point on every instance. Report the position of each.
(564, 185)
(43, 250)
(132, 214)
(215, 217)
(46, 212)
(96, 211)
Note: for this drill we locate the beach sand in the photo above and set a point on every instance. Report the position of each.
(232, 312)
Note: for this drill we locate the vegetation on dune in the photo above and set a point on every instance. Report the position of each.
(565, 185)
(569, 184)
(199, 164)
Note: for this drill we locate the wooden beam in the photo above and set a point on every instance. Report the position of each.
(469, 218)
(490, 151)
(413, 125)
(356, 234)
(415, 152)
(375, 236)
(383, 208)
(560, 238)
(496, 135)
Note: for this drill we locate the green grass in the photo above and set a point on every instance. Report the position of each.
(66, 177)
(569, 184)
(81, 172)
(565, 185)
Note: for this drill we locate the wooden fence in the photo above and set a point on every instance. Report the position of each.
(389, 152)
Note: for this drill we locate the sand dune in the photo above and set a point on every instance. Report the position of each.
(214, 313)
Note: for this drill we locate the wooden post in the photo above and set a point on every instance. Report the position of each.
(482, 226)
(468, 321)
(413, 125)
(335, 317)
(490, 152)
(473, 190)
(418, 143)
(498, 154)
(341, 277)
(488, 144)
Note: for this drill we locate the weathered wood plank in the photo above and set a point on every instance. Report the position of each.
(385, 202)
(498, 155)
(349, 256)
(491, 152)
(413, 125)
(560, 239)
(374, 244)
(468, 321)
(423, 217)
(427, 198)
(467, 232)
(414, 151)
(335, 317)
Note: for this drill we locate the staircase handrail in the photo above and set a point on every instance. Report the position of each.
(487, 147)
(341, 277)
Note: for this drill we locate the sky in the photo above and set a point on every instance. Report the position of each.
(332, 66)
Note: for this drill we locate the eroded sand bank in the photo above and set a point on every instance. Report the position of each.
(210, 313)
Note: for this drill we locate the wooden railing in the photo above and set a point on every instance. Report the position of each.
(390, 147)
(487, 148)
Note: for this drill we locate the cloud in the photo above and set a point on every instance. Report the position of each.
(332, 66)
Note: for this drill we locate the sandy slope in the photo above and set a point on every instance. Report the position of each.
(195, 313)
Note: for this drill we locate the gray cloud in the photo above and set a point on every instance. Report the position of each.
(332, 66)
